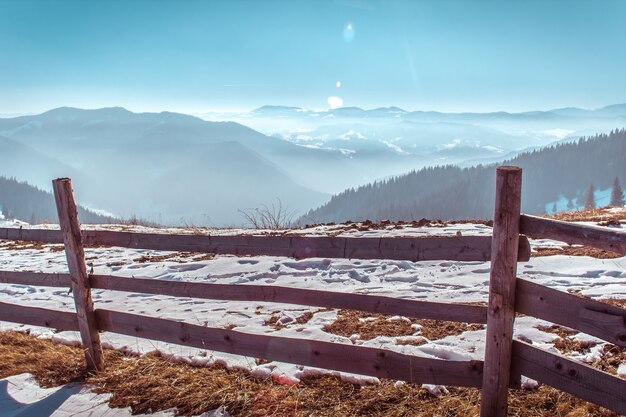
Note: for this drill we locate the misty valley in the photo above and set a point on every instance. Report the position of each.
(320, 166)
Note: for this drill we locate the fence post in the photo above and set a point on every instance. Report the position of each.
(501, 310)
(70, 228)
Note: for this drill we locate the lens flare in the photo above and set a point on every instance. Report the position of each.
(335, 102)
(338, 84)
(348, 33)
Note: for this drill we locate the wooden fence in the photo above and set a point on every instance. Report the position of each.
(506, 360)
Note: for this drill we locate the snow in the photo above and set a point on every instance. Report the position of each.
(443, 281)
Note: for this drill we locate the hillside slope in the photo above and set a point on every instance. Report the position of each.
(24, 202)
(451, 192)
(164, 167)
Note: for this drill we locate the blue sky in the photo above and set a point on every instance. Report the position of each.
(198, 56)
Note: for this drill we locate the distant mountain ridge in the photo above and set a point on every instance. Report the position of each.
(449, 192)
(413, 139)
(121, 161)
(606, 111)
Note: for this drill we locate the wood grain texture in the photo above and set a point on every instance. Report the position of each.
(454, 248)
(35, 278)
(276, 294)
(567, 375)
(335, 356)
(598, 319)
(31, 235)
(35, 316)
(609, 239)
(70, 229)
(501, 308)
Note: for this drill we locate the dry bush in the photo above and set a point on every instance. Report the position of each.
(273, 217)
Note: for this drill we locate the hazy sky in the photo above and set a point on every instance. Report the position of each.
(221, 55)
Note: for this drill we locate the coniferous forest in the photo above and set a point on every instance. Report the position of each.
(450, 192)
(21, 201)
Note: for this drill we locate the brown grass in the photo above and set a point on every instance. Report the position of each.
(600, 215)
(567, 345)
(180, 257)
(302, 319)
(576, 251)
(611, 356)
(23, 245)
(369, 326)
(153, 382)
(558, 330)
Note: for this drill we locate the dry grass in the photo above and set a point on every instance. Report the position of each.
(599, 215)
(153, 382)
(567, 345)
(576, 251)
(558, 330)
(51, 364)
(24, 245)
(369, 326)
(180, 257)
(302, 319)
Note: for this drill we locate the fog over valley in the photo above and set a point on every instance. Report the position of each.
(178, 169)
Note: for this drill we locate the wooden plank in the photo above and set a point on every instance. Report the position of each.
(598, 319)
(340, 357)
(567, 375)
(70, 228)
(501, 309)
(609, 239)
(31, 235)
(35, 316)
(35, 278)
(275, 294)
(462, 248)
(465, 248)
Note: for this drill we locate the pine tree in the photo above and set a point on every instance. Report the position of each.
(570, 204)
(617, 194)
(554, 208)
(590, 202)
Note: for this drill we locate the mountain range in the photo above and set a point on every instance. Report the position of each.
(175, 168)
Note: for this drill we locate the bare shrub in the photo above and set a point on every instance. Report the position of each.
(276, 216)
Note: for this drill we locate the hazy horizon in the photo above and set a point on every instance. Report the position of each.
(251, 109)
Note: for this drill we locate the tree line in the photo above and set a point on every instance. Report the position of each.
(450, 192)
(22, 201)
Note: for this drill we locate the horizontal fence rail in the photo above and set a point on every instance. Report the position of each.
(595, 318)
(613, 240)
(429, 248)
(39, 279)
(362, 360)
(466, 313)
(574, 377)
(36, 316)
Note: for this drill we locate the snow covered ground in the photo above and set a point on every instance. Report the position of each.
(435, 280)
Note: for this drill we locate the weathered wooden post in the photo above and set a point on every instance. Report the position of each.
(70, 228)
(501, 310)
